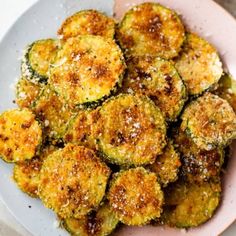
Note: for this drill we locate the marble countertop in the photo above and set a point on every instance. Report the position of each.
(9, 11)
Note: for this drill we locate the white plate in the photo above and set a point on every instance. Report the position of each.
(42, 21)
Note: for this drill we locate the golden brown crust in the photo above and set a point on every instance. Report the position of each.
(98, 223)
(87, 69)
(27, 93)
(159, 80)
(135, 196)
(53, 112)
(81, 130)
(26, 174)
(73, 181)
(131, 130)
(151, 29)
(210, 121)
(20, 135)
(189, 205)
(167, 165)
(85, 23)
(198, 165)
(199, 64)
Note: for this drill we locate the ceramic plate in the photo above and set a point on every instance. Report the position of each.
(42, 21)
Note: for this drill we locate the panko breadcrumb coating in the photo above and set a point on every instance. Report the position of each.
(73, 181)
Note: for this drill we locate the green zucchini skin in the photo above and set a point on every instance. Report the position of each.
(209, 121)
(37, 59)
(131, 130)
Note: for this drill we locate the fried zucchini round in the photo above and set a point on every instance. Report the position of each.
(135, 196)
(159, 80)
(37, 59)
(26, 174)
(98, 223)
(20, 135)
(87, 22)
(210, 121)
(87, 69)
(166, 166)
(53, 112)
(27, 93)
(73, 181)
(198, 165)
(189, 205)
(199, 65)
(81, 129)
(151, 29)
(131, 130)
(227, 90)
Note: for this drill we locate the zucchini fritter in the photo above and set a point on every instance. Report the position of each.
(227, 90)
(20, 135)
(73, 181)
(26, 174)
(210, 121)
(27, 93)
(87, 69)
(159, 80)
(166, 166)
(131, 130)
(98, 223)
(87, 22)
(53, 112)
(198, 165)
(199, 65)
(81, 129)
(135, 196)
(37, 60)
(151, 29)
(189, 205)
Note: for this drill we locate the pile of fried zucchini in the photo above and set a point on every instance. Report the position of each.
(121, 123)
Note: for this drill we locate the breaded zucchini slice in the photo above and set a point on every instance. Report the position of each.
(81, 129)
(87, 22)
(151, 29)
(53, 112)
(131, 130)
(26, 174)
(199, 64)
(159, 80)
(166, 166)
(98, 223)
(27, 93)
(135, 196)
(189, 205)
(87, 69)
(227, 90)
(20, 135)
(210, 121)
(37, 59)
(73, 181)
(198, 165)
